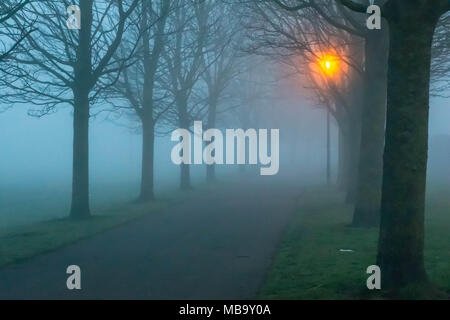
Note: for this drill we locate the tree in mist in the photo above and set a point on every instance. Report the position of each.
(365, 181)
(221, 63)
(373, 117)
(252, 96)
(139, 83)
(344, 103)
(184, 58)
(57, 66)
(412, 26)
(406, 141)
(301, 39)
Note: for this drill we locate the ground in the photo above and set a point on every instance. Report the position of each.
(215, 245)
(311, 265)
(257, 238)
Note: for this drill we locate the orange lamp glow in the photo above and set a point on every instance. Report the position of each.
(329, 65)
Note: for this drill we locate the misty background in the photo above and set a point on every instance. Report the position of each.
(37, 159)
(87, 112)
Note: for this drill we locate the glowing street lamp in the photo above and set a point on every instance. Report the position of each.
(329, 65)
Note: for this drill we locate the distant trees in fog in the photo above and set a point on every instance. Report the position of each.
(185, 60)
(355, 95)
(184, 57)
(163, 62)
(140, 83)
(222, 63)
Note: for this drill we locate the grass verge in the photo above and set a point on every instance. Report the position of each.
(311, 265)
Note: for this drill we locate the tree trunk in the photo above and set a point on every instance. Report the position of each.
(353, 145)
(83, 84)
(147, 173)
(350, 126)
(370, 171)
(185, 175)
(343, 159)
(211, 169)
(210, 173)
(328, 174)
(401, 240)
(80, 172)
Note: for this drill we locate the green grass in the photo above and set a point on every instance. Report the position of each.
(310, 265)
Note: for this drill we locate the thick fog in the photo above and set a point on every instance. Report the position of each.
(37, 157)
(224, 149)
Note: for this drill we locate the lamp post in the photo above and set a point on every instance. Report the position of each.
(329, 67)
(328, 148)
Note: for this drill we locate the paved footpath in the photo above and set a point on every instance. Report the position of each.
(215, 247)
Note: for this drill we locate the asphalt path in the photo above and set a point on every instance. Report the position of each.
(216, 246)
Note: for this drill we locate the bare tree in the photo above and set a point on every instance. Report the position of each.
(302, 39)
(252, 93)
(59, 66)
(411, 30)
(184, 58)
(221, 63)
(412, 26)
(139, 84)
(365, 190)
